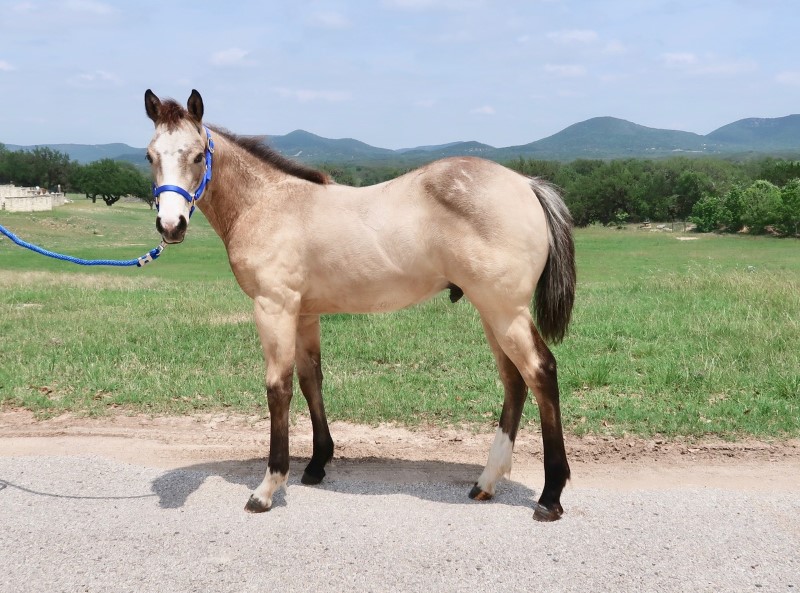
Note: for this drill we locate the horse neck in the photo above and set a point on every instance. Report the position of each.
(237, 180)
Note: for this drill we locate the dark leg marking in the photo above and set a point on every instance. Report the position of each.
(556, 468)
(279, 396)
(309, 373)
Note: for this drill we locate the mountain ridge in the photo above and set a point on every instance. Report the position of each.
(602, 137)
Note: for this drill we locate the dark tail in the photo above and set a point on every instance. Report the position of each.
(555, 292)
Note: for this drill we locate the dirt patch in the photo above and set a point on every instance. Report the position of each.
(394, 453)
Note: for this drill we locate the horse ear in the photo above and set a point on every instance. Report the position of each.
(152, 105)
(195, 106)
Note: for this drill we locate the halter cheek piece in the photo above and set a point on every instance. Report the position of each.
(191, 198)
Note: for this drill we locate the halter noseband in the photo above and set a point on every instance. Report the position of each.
(191, 198)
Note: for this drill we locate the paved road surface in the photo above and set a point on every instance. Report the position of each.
(74, 518)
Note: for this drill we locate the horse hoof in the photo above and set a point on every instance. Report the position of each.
(310, 479)
(254, 505)
(478, 494)
(542, 513)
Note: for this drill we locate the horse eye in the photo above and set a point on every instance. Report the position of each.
(149, 158)
(198, 158)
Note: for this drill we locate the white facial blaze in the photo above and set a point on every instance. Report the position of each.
(174, 152)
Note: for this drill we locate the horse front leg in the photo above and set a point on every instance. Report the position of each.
(309, 373)
(276, 320)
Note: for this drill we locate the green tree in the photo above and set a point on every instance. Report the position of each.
(690, 188)
(547, 170)
(790, 208)
(41, 166)
(732, 206)
(761, 206)
(110, 180)
(778, 171)
(50, 167)
(706, 213)
(17, 168)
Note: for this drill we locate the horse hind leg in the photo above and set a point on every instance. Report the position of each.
(519, 340)
(500, 455)
(556, 467)
(309, 374)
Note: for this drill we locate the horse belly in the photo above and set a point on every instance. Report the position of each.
(377, 295)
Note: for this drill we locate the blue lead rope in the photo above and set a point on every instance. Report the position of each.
(139, 261)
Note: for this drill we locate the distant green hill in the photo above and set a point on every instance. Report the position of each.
(598, 138)
(312, 148)
(86, 153)
(759, 134)
(453, 149)
(609, 137)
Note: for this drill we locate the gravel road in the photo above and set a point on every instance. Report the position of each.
(76, 515)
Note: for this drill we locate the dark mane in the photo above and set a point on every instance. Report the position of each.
(256, 147)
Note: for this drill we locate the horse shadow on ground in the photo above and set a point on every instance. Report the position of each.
(436, 481)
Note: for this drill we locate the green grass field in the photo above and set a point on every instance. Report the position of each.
(671, 337)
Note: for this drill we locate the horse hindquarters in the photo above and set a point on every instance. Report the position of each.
(522, 355)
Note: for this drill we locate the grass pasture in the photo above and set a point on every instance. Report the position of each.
(669, 336)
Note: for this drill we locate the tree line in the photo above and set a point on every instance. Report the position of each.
(106, 179)
(761, 195)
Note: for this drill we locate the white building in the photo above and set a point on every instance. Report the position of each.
(28, 199)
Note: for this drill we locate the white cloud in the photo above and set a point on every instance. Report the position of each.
(707, 64)
(329, 20)
(728, 67)
(5, 66)
(484, 110)
(89, 6)
(23, 7)
(96, 78)
(789, 77)
(566, 70)
(308, 95)
(573, 36)
(678, 59)
(432, 4)
(233, 56)
(614, 48)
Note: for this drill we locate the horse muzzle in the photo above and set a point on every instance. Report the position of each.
(172, 232)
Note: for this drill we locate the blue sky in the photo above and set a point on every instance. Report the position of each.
(394, 73)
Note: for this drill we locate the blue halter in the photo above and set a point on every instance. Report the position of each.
(191, 198)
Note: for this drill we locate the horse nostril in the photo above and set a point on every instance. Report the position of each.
(172, 232)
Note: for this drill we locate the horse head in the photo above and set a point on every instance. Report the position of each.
(180, 158)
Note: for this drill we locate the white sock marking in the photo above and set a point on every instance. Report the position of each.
(499, 463)
(269, 485)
